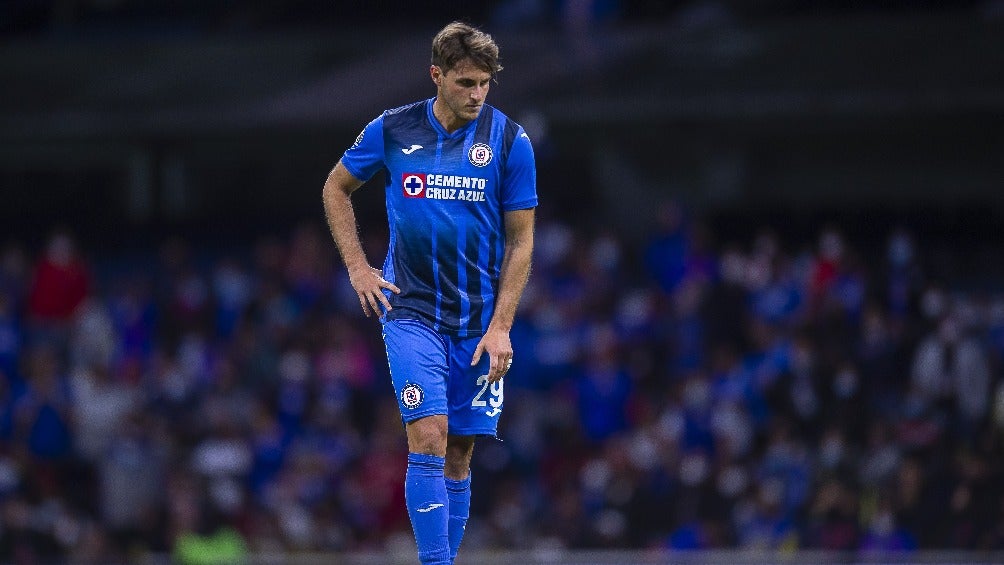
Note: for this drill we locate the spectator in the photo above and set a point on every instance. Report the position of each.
(60, 282)
(764, 397)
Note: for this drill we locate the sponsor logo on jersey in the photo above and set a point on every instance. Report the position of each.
(480, 154)
(359, 138)
(412, 396)
(410, 150)
(443, 187)
(413, 185)
(457, 181)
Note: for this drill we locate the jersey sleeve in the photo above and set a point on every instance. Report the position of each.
(365, 157)
(519, 181)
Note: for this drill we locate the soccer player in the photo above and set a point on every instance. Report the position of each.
(460, 196)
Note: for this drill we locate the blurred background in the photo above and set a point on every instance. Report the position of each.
(766, 313)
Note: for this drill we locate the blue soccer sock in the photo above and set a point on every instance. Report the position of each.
(428, 507)
(459, 493)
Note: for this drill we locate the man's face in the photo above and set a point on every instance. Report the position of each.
(463, 89)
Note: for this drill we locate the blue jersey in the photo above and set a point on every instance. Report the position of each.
(446, 194)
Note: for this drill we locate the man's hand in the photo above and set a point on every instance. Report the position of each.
(369, 284)
(499, 349)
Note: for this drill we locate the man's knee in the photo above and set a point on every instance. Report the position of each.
(458, 456)
(428, 435)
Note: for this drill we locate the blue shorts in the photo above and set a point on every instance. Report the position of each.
(432, 374)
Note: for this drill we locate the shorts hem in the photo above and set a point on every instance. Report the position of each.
(412, 416)
(474, 432)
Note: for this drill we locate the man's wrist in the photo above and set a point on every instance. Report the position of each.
(498, 326)
(359, 264)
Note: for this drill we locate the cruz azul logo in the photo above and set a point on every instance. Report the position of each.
(480, 154)
(443, 187)
(413, 185)
(412, 396)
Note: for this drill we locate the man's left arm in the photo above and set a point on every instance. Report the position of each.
(512, 280)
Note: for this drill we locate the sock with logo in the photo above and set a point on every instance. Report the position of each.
(459, 493)
(428, 507)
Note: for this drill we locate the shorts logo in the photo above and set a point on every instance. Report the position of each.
(413, 185)
(480, 154)
(412, 396)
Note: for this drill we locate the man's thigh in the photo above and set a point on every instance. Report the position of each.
(474, 403)
(417, 357)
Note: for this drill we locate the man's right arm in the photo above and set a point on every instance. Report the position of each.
(367, 281)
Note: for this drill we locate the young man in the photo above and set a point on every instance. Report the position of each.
(460, 195)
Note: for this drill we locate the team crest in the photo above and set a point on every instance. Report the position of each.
(412, 396)
(480, 154)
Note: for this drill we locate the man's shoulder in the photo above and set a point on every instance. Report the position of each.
(415, 108)
(498, 116)
(405, 120)
(496, 112)
(509, 127)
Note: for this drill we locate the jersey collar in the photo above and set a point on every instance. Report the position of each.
(439, 127)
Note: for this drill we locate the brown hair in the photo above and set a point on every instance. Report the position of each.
(458, 41)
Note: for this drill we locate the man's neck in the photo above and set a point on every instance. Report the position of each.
(446, 118)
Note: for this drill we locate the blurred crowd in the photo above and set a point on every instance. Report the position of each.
(677, 392)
